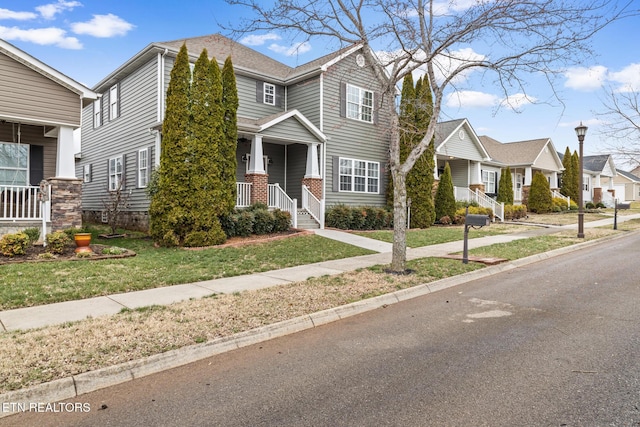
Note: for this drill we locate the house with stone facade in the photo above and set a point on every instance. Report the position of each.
(308, 136)
(39, 110)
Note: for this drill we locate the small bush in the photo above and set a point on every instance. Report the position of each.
(33, 233)
(358, 217)
(473, 210)
(57, 242)
(445, 220)
(559, 204)
(258, 206)
(244, 223)
(514, 212)
(281, 221)
(262, 221)
(338, 216)
(573, 206)
(14, 244)
(600, 205)
(589, 205)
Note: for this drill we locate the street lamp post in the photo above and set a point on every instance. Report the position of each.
(581, 131)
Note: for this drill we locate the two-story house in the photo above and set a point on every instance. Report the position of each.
(40, 108)
(307, 136)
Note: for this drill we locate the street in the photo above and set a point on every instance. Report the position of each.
(554, 343)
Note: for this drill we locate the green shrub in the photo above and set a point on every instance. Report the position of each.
(473, 210)
(358, 217)
(338, 216)
(559, 204)
(57, 242)
(258, 206)
(244, 223)
(600, 205)
(573, 206)
(445, 200)
(540, 199)
(262, 221)
(201, 238)
(33, 233)
(589, 205)
(14, 244)
(281, 220)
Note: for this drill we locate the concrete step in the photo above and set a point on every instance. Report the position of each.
(306, 221)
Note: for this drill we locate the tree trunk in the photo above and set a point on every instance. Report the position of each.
(399, 249)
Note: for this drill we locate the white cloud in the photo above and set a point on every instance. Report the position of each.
(103, 26)
(49, 11)
(42, 36)
(585, 79)
(295, 49)
(259, 40)
(628, 79)
(471, 99)
(445, 7)
(18, 16)
(517, 101)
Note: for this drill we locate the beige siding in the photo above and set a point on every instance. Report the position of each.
(462, 148)
(29, 95)
(32, 135)
(546, 160)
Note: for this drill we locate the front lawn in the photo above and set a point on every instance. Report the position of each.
(30, 284)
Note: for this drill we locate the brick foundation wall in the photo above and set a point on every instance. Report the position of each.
(135, 221)
(474, 187)
(597, 195)
(525, 194)
(315, 186)
(66, 201)
(259, 187)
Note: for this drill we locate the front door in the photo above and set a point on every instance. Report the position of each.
(517, 191)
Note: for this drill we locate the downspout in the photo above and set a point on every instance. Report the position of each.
(161, 88)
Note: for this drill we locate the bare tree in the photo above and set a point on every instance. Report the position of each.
(622, 124)
(519, 38)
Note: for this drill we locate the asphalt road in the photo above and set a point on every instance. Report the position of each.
(555, 343)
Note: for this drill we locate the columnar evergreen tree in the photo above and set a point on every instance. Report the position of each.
(569, 176)
(540, 200)
(445, 201)
(505, 187)
(169, 220)
(575, 165)
(204, 155)
(229, 141)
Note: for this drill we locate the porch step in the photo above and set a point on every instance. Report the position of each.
(306, 221)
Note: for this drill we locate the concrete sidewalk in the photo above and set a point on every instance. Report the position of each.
(45, 315)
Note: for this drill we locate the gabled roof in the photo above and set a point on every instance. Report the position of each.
(628, 175)
(47, 71)
(515, 153)
(598, 163)
(446, 130)
(245, 60)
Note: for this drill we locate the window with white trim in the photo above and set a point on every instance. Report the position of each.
(14, 163)
(359, 104)
(489, 181)
(86, 173)
(359, 176)
(269, 94)
(113, 102)
(143, 168)
(115, 173)
(97, 113)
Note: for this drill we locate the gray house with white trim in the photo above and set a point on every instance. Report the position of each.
(308, 136)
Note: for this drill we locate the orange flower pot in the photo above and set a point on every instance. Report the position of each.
(83, 240)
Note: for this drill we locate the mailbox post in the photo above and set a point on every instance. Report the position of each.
(615, 212)
(474, 221)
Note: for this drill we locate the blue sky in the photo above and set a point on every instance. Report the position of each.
(87, 39)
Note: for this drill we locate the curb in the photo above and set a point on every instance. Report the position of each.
(76, 385)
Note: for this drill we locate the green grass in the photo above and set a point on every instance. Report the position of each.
(525, 247)
(30, 284)
(436, 235)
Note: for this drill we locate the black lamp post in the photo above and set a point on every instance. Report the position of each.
(581, 131)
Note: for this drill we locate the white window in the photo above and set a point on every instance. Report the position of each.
(586, 180)
(86, 173)
(269, 94)
(113, 102)
(14, 163)
(359, 176)
(97, 113)
(359, 104)
(143, 168)
(489, 181)
(115, 173)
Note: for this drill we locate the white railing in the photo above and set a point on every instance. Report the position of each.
(279, 199)
(468, 195)
(312, 205)
(557, 194)
(19, 202)
(243, 194)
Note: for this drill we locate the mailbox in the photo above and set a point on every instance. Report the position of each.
(623, 206)
(477, 220)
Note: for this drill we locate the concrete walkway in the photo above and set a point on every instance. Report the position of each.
(45, 315)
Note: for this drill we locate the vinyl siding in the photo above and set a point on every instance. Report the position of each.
(351, 138)
(461, 148)
(305, 97)
(27, 94)
(33, 135)
(248, 106)
(290, 130)
(546, 160)
(459, 172)
(125, 135)
(296, 164)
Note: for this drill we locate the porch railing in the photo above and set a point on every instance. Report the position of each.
(243, 194)
(312, 205)
(19, 202)
(558, 195)
(466, 194)
(280, 200)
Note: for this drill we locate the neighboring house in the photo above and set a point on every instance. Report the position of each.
(525, 158)
(308, 136)
(598, 179)
(627, 186)
(39, 110)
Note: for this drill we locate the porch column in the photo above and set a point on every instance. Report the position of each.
(528, 176)
(475, 174)
(435, 169)
(312, 178)
(66, 201)
(65, 156)
(256, 175)
(554, 180)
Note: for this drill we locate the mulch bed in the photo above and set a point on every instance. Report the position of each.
(34, 252)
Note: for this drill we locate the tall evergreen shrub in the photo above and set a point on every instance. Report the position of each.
(505, 187)
(540, 200)
(445, 202)
(229, 141)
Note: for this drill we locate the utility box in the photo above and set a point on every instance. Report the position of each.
(476, 220)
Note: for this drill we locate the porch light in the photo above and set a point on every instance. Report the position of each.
(581, 131)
